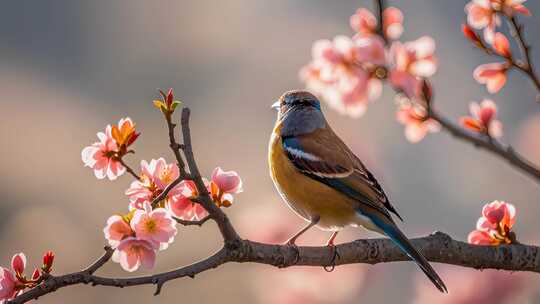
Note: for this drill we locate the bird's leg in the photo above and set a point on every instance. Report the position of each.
(314, 221)
(292, 241)
(335, 253)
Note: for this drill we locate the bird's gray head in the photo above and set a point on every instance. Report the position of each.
(299, 112)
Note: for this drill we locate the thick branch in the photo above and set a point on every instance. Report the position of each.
(223, 222)
(505, 152)
(437, 247)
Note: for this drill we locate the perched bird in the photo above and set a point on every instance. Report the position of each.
(321, 179)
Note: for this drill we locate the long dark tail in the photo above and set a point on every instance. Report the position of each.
(393, 232)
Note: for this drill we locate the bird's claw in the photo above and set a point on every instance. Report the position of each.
(335, 257)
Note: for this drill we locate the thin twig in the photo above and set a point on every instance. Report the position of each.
(505, 152)
(516, 30)
(379, 8)
(174, 145)
(193, 223)
(128, 168)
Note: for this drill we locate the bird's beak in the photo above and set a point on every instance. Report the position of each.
(275, 105)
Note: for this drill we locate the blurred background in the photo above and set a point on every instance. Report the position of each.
(69, 68)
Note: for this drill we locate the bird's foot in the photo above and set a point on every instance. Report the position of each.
(291, 244)
(335, 257)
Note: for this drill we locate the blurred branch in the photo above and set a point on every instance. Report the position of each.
(379, 8)
(437, 247)
(489, 144)
(516, 30)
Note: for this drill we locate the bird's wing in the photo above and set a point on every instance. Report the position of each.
(322, 155)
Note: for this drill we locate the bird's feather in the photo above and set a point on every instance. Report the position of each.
(321, 155)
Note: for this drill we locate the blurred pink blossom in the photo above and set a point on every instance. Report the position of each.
(482, 15)
(133, 253)
(116, 230)
(156, 226)
(501, 45)
(483, 119)
(365, 24)
(101, 156)
(493, 75)
(416, 122)
(343, 72)
(181, 205)
(18, 263)
(470, 286)
(8, 285)
(510, 7)
(411, 62)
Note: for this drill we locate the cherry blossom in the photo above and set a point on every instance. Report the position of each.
(344, 72)
(501, 45)
(416, 122)
(223, 185)
(411, 62)
(102, 156)
(510, 7)
(494, 227)
(365, 24)
(156, 226)
(483, 119)
(124, 134)
(116, 230)
(482, 15)
(182, 207)
(154, 178)
(493, 75)
(133, 253)
(8, 285)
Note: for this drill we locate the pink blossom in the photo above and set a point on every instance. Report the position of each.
(133, 253)
(343, 72)
(470, 286)
(416, 122)
(410, 62)
(495, 224)
(102, 156)
(18, 263)
(493, 75)
(510, 7)
(155, 177)
(483, 119)
(8, 285)
(393, 22)
(116, 230)
(124, 134)
(182, 207)
(502, 45)
(365, 24)
(156, 226)
(482, 15)
(227, 181)
(478, 237)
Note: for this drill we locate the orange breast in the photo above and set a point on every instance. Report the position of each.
(306, 196)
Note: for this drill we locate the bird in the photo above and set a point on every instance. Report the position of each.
(325, 183)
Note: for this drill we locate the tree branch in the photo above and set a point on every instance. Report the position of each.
(437, 247)
(505, 152)
(516, 30)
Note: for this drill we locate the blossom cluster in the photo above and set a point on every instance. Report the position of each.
(486, 15)
(150, 224)
(495, 224)
(13, 281)
(348, 72)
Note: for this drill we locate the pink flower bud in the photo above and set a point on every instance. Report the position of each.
(48, 259)
(18, 263)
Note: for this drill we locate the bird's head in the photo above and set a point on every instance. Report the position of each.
(299, 112)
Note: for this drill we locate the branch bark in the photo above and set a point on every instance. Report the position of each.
(437, 247)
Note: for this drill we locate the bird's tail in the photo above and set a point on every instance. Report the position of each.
(393, 232)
